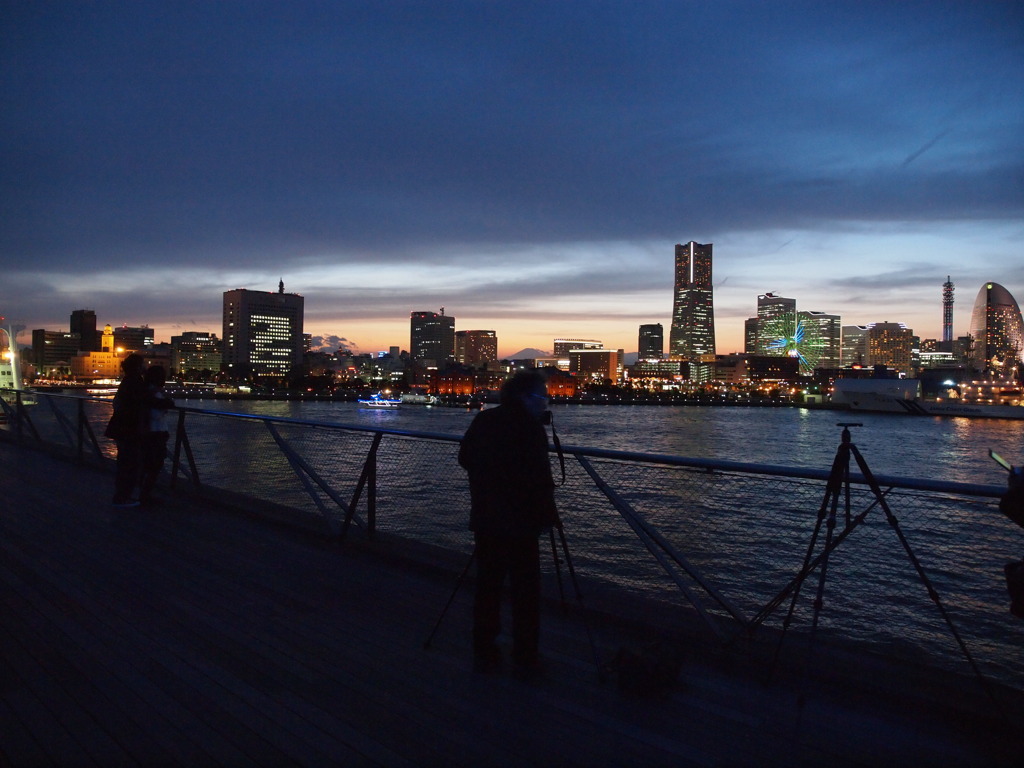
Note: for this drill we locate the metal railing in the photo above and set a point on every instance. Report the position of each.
(722, 543)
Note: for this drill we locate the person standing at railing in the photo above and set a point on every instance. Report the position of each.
(126, 427)
(154, 439)
(505, 452)
(1012, 505)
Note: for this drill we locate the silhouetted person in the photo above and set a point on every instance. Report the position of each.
(126, 427)
(1012, 505)
(505, 452)
(154, 439)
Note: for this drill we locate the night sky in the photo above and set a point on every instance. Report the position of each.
(529, 166)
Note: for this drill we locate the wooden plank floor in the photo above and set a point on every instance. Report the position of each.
(193, 635)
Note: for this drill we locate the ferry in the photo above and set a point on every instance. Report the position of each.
(996, 399)
(379, 400)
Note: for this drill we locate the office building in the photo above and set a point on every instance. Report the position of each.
(432, 337)
(195, 353)
(596, 365)
(823, 339)
(562, 347)
(262, 334)
(776, 322)
(891, 345)
(134, 339)
(476, 348)
(52, 351)
(651, 342)
(854, 346)
(692, 335)
(83, 322)
(998, 332)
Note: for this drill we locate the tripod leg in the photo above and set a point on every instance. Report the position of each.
(558, 571)
(833, 487)
(451, 598)
(579, 597)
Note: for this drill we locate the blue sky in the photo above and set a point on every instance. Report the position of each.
(528, 166)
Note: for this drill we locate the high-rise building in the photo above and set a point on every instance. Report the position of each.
(823, 333)
(692, 335)
(597, 365)
(134, 339)
(997, 330)
(52, 350)
(475, 348)
(432, 337)
(947, 314)
(196, 351)
(562, 347)
(262, 333)
(891, 345)
(854, 345)
(83, 322)
(776, 319)
(651, 342)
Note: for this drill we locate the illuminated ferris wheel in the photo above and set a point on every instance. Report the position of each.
(792, 336)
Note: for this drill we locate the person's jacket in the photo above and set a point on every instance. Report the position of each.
(128, 420)
(512, 492)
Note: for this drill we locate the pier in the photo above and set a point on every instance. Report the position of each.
(196, 634)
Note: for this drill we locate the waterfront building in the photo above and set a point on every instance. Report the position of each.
(998, 332)
(52, 351)
(476, 348)
(823, 332)
(776, 321)
(750, 328)
(104, 363)
(134, 339)
(854, 345)
(890, 344)
(562, 347)
(431, 338)
(692, 334)
(262, 333)
(196, 351)
(651, 342)
(596, 365)
(83, 322)
(652, 373)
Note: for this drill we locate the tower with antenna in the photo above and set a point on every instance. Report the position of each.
(947, 311)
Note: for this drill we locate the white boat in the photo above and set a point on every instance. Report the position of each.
(378, 400)
(979, 400)
(418, 398)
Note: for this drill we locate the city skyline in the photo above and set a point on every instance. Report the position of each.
(527, 166)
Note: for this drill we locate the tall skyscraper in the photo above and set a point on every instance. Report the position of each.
(651, 342)
(692, 335)
(262, 333)
(432, 337)
(823, 332)
(890, 344)
(854, 345)
(997, 330)
(83, 322)
(776, 319)
(475, 348)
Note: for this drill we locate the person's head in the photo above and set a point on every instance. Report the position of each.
(132, 365)
(155, 375)
(528, 388)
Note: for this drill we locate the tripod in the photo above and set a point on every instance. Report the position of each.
(561, 590)
(838, 486)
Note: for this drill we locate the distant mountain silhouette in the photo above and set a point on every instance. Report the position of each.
(528, 353)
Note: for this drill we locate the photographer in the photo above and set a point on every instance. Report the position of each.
(505, 452)
(1012, 505)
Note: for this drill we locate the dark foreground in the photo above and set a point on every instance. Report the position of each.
(196, 635)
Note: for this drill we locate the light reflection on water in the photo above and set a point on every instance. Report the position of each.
(931, 448)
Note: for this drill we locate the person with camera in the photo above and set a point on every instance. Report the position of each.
(1012, 505)
(505, 453)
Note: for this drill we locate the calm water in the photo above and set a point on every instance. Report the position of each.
(932, 448)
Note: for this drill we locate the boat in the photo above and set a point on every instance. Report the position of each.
(379, 400)
(418, 396)
(975, 399)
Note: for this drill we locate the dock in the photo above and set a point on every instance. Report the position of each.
(195, 634)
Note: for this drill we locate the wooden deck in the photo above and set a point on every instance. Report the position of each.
(194, 635)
